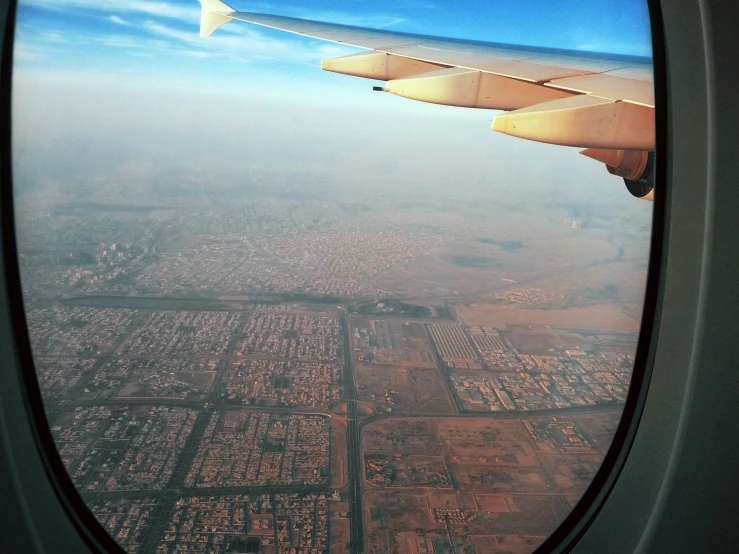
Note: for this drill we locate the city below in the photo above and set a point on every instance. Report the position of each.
(318, 377)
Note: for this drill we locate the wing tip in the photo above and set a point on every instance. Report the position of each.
(213, 14)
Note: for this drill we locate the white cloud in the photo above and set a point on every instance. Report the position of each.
(238, 42)
(191, 12)
(118, 20)
(54, 36)
(25, 52)
(160, 9)
(249, 44)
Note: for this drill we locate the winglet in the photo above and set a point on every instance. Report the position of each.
(213, 15)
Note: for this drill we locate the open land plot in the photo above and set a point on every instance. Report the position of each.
(621, 282)
(502, 442)
(401, 435)
(153, 378)
(614, 347)
(404, 390)
(122, 448)
(465, 267)
(127, 521)
(571, 474)
(460, 441)
(501, 513)
(388, 514)
(501, 479)
(339, 528)
(429, 276)
(507, 478)
(302, 335)
(338, 455)
(183, 333)
(385, 470)
(564, 339)
(284, 383)
(415, 521)
(458, 268)
(506, 543)
(248, 448)
(599, 429)
(267, 524)
(533, 339)
(391, 342)
(597, 317)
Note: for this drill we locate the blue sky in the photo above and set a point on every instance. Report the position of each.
(158, 37)
(125, 90)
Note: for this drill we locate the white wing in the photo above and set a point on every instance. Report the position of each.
(604, 103)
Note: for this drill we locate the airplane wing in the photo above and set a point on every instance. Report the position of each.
(604, 104)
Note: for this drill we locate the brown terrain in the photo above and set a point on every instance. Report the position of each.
(510, 481)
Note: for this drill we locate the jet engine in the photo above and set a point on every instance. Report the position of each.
(635, 166)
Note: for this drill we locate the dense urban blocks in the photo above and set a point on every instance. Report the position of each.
(82, 332)
(294, 335)
(127, 521)
(269, 523)
(122, 448)
(57, 375)
(249, 448)
(270, 386)
(283, 383)
(209, 372)
(182, 333)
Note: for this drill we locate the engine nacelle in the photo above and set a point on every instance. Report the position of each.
(635, 166)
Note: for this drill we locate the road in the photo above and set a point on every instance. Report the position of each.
(172, 493)
(353, 443)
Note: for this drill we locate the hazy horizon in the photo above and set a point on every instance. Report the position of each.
(128, 100)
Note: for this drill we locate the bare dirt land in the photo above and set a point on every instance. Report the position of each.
(339, 528)
(338, 454)
(513, 544)
(599, 428)
(482, 265)
(510, 481)
(600, 317)
(571, 473)
(403, 390)
(391, 342)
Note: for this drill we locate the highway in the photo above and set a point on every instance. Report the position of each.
(354, 458)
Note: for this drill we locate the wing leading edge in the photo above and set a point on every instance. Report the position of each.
(604, 104)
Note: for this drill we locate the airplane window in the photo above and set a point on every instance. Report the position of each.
(390, 306)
